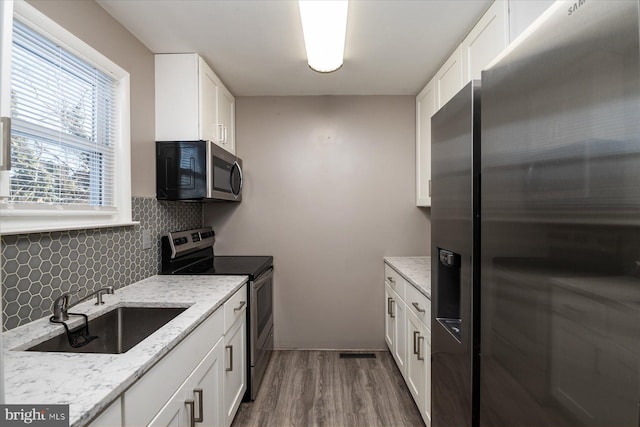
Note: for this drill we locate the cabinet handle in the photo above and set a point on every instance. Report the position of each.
(417, 306)
(393, 312)
(415, 344)
(389, 306)
(198, 392)
(429, 188)
(192, 419)
(230, 368)
(391, 280)
(420, 338)
(220, 133)
(238, 308)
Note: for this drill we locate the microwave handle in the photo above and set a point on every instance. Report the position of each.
(235, 165)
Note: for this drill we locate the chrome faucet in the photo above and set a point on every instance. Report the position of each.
(61, 304)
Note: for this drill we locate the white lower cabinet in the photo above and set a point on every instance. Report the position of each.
(400, 348)
(418, 365)
(199, 399)
(235, 370)
(110, 417)
(389, 318)
(408, 337)
(395, 326)
(192, 385)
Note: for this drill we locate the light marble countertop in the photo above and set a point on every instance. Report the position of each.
(90, 382)
(416, 270)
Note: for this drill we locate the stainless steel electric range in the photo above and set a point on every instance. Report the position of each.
(191, 252)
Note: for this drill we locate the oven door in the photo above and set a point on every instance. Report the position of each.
(224, 177)
(261, 327)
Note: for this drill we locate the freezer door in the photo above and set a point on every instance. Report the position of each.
(560, 208)
(454, 182)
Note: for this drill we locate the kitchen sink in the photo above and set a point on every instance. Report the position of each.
(118, 330)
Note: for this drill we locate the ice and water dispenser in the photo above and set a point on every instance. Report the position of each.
(448, 297)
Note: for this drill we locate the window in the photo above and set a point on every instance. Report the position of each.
(69, 132)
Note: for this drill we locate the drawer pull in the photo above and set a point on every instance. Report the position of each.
(391, 279)
(415, 344)
(238, 308)
(417, 306)
(230, 348)
(199, 393)
(420, 338)
(192, 408)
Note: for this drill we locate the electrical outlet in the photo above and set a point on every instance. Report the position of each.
(146, 239)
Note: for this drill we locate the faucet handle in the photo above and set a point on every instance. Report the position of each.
(60, 306)
(107, 290)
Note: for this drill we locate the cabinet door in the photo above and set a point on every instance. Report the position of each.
(426, 411)
(235, 375)
(176, 94)
(389, 318)
(486, 40)
(417, 360)
(175, 412)
(209, 85)
(400, 346)
(226, 119)
(207, 380)
(199, 396)
(449, 79)
(110, 417)
(425, 108)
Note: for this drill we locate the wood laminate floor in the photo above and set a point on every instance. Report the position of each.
(318, 388)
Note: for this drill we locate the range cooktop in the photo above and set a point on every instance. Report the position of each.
(191, 252)
(252, 266)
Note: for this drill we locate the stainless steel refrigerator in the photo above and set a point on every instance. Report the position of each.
(455, 243)
(560, 221)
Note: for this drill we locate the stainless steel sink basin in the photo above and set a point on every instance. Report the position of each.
(118, 330)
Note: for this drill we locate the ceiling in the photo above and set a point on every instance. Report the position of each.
(256, 47)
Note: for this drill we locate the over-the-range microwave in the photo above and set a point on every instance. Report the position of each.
(197, 171)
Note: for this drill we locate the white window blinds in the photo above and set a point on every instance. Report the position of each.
(63, 125)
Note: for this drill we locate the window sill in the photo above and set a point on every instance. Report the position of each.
(5, 231)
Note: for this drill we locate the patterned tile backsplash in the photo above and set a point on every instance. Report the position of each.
(39, 267)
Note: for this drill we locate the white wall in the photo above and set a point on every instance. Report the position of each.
(330, 191)
(92, 24)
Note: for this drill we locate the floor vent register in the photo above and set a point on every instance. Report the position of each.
(357, 356)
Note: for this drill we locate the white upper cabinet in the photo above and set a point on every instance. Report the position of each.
(207, 103)
(485, 41)
(226, 119)
(482, 45)
(425, 107)
(450, 78)
(191, 102)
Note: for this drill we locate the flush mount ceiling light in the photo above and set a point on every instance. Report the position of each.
(324, 25)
